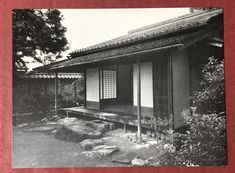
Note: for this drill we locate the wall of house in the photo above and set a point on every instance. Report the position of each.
(92, 88)
(181, 85)
(161, 85)
(187, 74)
(146, 88)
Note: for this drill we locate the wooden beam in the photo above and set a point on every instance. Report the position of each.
(56, 93)
(197, 37)
(109, 55)
(138, 100)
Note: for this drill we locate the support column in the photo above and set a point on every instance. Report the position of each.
(45, 88)
(85, 89)
(124, 127)
(171, 107)
(56, 92)
(75, 89)
(138, 100)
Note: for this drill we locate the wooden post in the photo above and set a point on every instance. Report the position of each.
(75, 89)
(45, 88)
(124, 127)
(138, 100)
(56, 93)
(85, 89)
(170, 91)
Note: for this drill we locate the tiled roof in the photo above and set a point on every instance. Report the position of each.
(163, 35)
(42, 75)
(115, 53)
(177, 24)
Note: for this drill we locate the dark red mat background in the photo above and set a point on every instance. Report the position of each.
(6, 7)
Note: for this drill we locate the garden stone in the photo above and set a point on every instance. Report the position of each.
(100, 151)
(75, 130)
(137, 161)
(23, 125)
(88, 144)
(106, 147)
(150, 160)
(40, 129)
(67, 120)
(121, 160)
(77, 133)
(99, 125)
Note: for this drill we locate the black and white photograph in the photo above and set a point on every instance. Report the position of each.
(118, 87)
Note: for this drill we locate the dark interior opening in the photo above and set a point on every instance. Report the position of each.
(120, 101)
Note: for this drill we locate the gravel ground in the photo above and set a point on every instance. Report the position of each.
(34, 149)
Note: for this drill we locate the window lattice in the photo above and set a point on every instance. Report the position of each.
(108, 79)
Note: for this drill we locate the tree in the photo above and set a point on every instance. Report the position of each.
(211, 97)
(38, 34)
(192, 10)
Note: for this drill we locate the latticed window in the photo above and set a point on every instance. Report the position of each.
(108, 84)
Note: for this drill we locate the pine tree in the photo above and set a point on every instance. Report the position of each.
(37, 33)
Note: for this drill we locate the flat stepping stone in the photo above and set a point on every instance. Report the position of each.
(23, 125)
(105, 147)
(123, 161)
(138, 162)
(100, 151)
(89, 144)
(67, 120)
(40, 129)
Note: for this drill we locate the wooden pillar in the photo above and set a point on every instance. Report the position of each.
(75, 89)
(56, 92)
(138, 100)
(170, 91)
(124, 127)
(85, 89)
(45, 88)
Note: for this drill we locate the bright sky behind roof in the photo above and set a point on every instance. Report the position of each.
(86, 27)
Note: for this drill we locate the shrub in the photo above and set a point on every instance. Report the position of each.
(38, 103)
(163, 129)
(205, 142)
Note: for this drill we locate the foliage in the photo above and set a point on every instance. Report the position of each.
(163, 129)
(159, 124)
(193, 10)
(37, 33)
(37, 103)
(205, 142)
(211, 98)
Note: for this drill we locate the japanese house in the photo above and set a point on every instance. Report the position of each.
(151, 71)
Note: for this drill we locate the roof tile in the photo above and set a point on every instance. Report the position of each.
(154, 31)
(43, 75)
